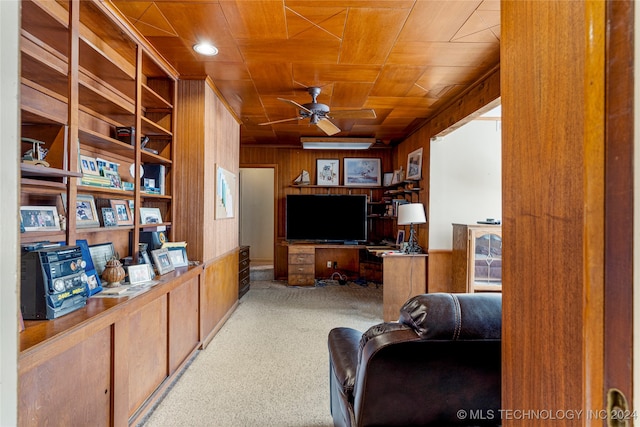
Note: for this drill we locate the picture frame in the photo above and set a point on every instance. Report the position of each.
(414, 164)
(328, 172)
(150, 216)
(398, 176)
(86, 212)
(387, 179)
(225, 193)
(400, 238)
(39, 218)
(178, 257)
(114, 178)
(122, 211)
(362, 172)
(139, 273)
(100, 254)
(162, 261)
(109, 217)
(94, 285)
(88, 165)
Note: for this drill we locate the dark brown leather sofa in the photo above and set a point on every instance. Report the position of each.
(439, 365)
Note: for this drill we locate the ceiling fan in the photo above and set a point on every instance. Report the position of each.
(319, 114)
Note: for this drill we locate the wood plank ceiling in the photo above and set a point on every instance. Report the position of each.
(403, 58)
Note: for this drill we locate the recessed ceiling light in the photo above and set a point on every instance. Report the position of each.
(205, 49)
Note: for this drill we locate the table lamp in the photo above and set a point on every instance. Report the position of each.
(409, 214)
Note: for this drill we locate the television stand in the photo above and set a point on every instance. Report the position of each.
(310, 261)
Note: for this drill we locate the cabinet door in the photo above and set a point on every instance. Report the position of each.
(485, 260)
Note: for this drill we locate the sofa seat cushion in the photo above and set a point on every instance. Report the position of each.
(444, 316)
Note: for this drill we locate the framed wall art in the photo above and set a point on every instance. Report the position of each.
(39, 218)
(362, 172)
(225, 190)
(328, 172)
(123, 212)
(162, 261)
(414, 164)
(86, 213)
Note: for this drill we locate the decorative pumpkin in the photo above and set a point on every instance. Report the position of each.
(113, 273)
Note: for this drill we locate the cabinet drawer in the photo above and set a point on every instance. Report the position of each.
(244, 281)
(302, 259)
(300, 280)
(308, 269)
(244, 274)
(243, 264)
(301, 250)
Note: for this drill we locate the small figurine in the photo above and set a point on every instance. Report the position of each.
(36, 154)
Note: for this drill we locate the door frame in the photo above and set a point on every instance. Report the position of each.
(273, 166)
(619, 200)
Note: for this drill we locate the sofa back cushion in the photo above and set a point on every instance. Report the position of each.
(444, 316)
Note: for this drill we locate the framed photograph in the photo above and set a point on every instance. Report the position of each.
(363, 172)
(414, 164)
(162, 261)
(109, 217)
(150, 216)
(39, 218)
(400, 238)
(139, 273)
(114, 177)
(88, 165)
(398, 176)
(86, 213)
(328, 172)
(122, 211)
(387, 179)
(100, 254)
(178, 257)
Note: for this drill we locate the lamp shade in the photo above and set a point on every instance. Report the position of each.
(411, 213)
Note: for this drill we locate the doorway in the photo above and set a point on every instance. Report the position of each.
(256, 214)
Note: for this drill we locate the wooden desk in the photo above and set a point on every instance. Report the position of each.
(403, 276)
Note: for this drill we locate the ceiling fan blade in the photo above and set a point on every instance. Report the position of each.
(295, 104)
(354, 114)
(327, 127)
(279, 121)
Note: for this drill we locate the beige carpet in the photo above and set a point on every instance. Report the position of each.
(268, 366)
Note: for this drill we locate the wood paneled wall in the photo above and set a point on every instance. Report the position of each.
(209, 137)
(553, 168)
(290, 163)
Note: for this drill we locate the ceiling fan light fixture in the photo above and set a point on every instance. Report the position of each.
(337, 143)
(205, 48)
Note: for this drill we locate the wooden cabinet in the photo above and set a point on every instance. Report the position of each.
(403, 276)
(108, 363)
(477, 258)
(244, 274)
(84, 75)
(302, 261)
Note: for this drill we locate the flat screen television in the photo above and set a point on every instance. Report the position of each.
(335, 218)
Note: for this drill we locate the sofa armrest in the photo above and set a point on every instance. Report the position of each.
(343, 354)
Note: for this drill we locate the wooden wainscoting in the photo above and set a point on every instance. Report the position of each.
(218, 294)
